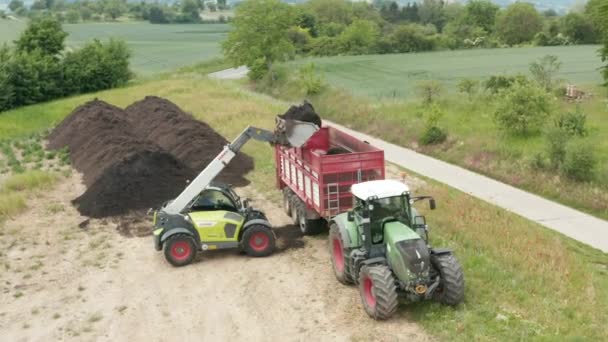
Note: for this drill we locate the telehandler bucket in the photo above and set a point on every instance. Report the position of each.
(294, 133)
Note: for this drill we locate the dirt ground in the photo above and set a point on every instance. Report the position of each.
(59, 281)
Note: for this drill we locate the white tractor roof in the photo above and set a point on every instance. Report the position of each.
(379, 188)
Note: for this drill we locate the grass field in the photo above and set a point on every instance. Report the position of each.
(155, 48)
(523, 281)
(387, 76)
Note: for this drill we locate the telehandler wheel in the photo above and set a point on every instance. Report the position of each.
(180, 250)
(451, 284)
(287, 201)
(378, 291)
(338, 256)
(308, 227)
(258, 241)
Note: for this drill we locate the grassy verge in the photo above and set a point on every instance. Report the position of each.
(523, 281)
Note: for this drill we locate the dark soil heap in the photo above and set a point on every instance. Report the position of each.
(304, 112)
(191, 141)
(127, 167)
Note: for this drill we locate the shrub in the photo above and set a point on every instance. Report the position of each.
(97, 66)
(556, 142)
(580, 162)
(545, 70)
(325, 46)
(311, 81)
(432, 133)
(359, 38)
(496, 83)
(411, 38)
(468, 86)
(429, 91)
(573, 123)
(523, 108)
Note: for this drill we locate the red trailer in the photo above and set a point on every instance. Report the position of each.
(316, 178)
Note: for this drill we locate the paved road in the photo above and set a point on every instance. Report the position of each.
(573, 223)
(230, 74)
(570, 222)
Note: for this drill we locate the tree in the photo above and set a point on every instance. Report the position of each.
(481, 13)
(359, 37)
(85, 13)
(432, 12)
(519, 23)
(597, 10)
(190, 10)
(14, 5)
(545, 71)
(72, 16)
(157, 15)
(523, 108)
(578, 28)
(331, 11)
(259, 35)
(410, 13)
(114, 8)
(221, 5)
(44, 34)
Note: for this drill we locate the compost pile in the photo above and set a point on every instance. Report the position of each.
(138, 158)
(304, 112)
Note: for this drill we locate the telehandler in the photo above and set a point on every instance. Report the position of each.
(382, 245)
(207, 216)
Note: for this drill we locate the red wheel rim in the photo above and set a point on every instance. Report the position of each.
(338, 255)
(259, 241)
(180, 250)
(368, 285)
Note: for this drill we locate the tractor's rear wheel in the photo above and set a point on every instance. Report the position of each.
(338, 255)
(258, 241)
(451, 284)
(180, 250)
(308, 227)
(378, 291)
(287, 201)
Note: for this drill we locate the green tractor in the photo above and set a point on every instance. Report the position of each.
(382, 245)
(215, 219)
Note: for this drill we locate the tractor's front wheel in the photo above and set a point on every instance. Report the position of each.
(258, 241)
(338, 255)
(378, 291)
(451, 284)
(180, 250)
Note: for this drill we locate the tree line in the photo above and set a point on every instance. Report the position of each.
(269, 30)
(185, 11)
(38, 68)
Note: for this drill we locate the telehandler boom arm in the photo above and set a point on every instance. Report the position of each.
(288, 132)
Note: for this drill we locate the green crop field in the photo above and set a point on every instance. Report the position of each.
(155, 48)
(396, 75)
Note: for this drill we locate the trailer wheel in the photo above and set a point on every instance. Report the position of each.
(287, 201)
(308, 227)
(338, 256)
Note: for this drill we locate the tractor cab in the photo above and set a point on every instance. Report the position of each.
(384, 201)
(217, 197)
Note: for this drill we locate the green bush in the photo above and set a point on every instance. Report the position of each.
(496, 83)
(468, 86)
(432, 133)
(556, 142)
(580, 162)
(523, 108)
(325, 46)
(429, 90)
(310, 79)
(544, 71)
(573, 123)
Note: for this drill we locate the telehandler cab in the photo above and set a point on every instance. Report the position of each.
(382, 245)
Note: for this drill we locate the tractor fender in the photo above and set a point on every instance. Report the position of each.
(180, 230)
(343, 226)
(439, 251)
(374, 261)
(253, 222)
